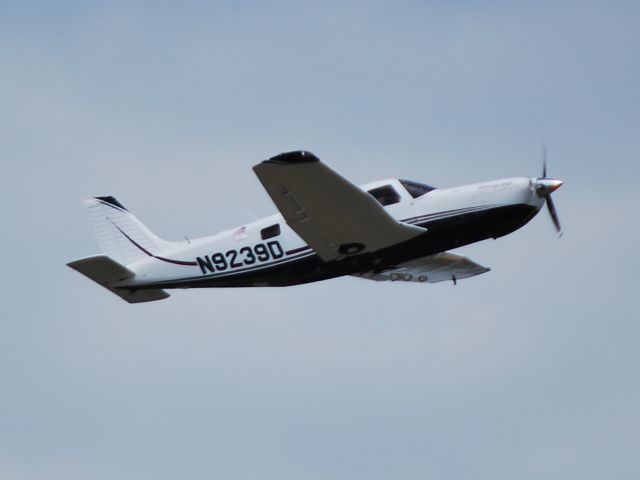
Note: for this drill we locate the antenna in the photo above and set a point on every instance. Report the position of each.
(248, 212)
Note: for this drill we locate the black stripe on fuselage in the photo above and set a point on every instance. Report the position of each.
(298, 250)
(445, 214)
(453, 231)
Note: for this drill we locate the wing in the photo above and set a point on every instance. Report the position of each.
(334, 216)
(431, 269)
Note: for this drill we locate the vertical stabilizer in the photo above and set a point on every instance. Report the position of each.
(120, 234)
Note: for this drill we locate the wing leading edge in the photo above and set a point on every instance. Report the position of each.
(334, 216)
(432, 269)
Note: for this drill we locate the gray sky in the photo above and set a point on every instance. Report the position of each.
(528, 372)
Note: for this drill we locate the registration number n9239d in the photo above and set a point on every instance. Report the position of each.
(245, 256)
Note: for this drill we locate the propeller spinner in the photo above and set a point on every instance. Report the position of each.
(544, 187)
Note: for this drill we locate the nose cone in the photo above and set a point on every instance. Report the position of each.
(545, 186)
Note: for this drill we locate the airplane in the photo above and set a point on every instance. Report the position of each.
(388, 230)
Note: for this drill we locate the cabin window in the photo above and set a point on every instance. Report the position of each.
(416, 189)
(270, 232)
(386, 195)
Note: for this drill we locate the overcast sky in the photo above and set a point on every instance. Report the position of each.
(528, 372)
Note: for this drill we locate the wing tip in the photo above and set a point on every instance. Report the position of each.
(297, 156)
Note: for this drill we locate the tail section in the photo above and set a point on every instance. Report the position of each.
(107, 272)
(120, 234)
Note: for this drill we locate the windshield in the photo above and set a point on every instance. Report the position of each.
(416, 189)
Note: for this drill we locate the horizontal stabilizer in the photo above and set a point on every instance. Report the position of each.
(107, 272)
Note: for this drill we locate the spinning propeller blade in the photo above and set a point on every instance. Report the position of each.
(554, 214)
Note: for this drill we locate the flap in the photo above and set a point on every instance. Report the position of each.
(434, 268)
(335, 217)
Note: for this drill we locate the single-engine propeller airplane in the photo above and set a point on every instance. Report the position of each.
(389, 230)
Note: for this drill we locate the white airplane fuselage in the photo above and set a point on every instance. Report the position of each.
(241, 256)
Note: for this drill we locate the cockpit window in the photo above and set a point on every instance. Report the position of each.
(416, 189)
(386, 195)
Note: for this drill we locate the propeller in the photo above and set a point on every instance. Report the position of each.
(544, 187)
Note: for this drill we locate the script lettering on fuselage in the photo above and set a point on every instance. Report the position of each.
(245, 256)
(492, 186)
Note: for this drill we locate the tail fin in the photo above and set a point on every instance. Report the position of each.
(107, 272)
(120, 234)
